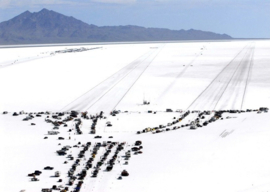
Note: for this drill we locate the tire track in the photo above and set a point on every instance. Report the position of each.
(111, 100)
(248, 78)
(138, 77)
(211, 96)
(94, 94)
(235, 91)
(180, 74)
(110, 92)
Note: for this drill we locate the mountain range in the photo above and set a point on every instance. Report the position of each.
(48, 26)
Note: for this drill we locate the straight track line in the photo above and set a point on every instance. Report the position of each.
(248, 77)
(240, 63)
(114, 85)
(138, 77)
(214, 80)
(132, 63)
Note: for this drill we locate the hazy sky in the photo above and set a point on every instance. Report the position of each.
(238, 18)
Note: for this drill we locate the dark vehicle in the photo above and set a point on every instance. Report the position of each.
(48, 168)
(37, 172)
(135, 149)
(46, 190)
(61, 152)
(109, 168)
(169, 110)
(124, 173)
(137, 143)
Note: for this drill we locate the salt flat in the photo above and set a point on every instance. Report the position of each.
(170, 75)
(227, 155)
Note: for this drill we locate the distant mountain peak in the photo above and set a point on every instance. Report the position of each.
(44, 10)
(47, 11)
(25, 13)
(47, 26)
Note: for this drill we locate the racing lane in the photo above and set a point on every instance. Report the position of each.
(227, 90)
(109, 93)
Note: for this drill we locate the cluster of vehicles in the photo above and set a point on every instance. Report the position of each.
(200, 120)
(197, 122)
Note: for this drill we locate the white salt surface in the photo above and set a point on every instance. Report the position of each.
(229, 155)
(174, 75)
